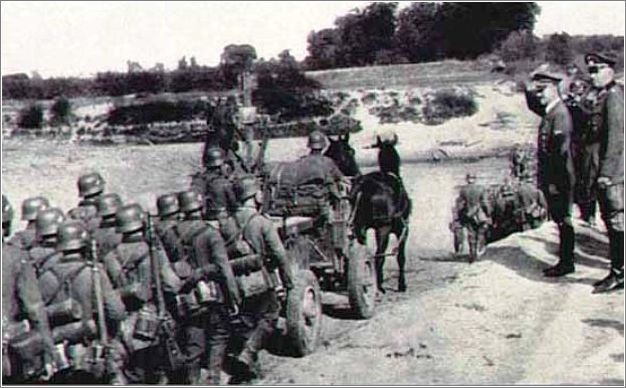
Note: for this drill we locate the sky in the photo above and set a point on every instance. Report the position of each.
(82, 38)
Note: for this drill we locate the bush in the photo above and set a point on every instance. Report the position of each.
(158, 111)
(445, 104)
(60, 111)
(31, 117)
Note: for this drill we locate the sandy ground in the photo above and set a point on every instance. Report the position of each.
(497, 321)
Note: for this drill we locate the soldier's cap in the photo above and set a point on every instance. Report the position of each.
(607, 57)
(7, 210)
(546, 75)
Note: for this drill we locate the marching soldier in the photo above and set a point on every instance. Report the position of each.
(24, 239)
(608, 123)
(217, 188)
(555, 167)
(130, 269)
(106, 235)
(531, 204)
(44, 253)
(169, 213)
(73, 277)
(204, 266)
(262, 237)
(21, 299)
(90, 188)
(473, 212)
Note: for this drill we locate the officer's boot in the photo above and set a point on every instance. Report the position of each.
(566, 252)
(615, 278)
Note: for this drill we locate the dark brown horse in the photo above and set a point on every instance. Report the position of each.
(380, 202)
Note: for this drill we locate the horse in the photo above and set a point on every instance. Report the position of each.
(379, 202)
(342, 154)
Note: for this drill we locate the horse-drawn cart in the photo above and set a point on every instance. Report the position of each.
(326, 256)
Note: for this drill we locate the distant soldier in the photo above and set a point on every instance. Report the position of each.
(520, 162)
(207, 321)
(608, 123)
(44, 252)
(130, 269)
(532, 209)
(216, 187)
(555, 165)
(22, 306)
(73, 277)
(260, 234)
(105, 234)
(90, 188)
(473, 212)
(316, 161)
(25, 239)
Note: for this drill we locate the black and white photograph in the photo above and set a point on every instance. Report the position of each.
(312, 193)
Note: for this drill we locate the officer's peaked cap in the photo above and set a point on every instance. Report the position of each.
(607, 57)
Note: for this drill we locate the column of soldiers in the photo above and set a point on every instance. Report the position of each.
(104, 294)
(580, 156)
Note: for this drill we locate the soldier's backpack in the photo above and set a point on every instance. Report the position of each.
(297, 189)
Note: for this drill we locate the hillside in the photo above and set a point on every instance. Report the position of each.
(433, 74)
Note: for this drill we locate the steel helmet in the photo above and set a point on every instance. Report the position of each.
(246, 187)
(48, 221)
(7, 211)
(90, 184)
(317, 140)
(108, 204)
(167, 205)
(71, 236)
(32, 206)
(129, 219)
(189, 201)
(214, 157)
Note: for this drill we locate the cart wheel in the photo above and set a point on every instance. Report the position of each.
(304, 314)
(361, 281)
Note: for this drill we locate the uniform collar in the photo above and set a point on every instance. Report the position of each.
(552, 105)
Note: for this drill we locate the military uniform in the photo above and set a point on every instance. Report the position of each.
(24, 239)
(263, 309)
(328, 169)
(610, 128)
(218, 194)
(21, 299)
(129, 267)
(473, 212)
(532, 206)
(107, 239)
(205, 259)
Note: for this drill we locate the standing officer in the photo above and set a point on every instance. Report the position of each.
(608, 121)
(473, 212)
(105, 234)
(24, 239)
(206, 262)
(318, 162)
(555, 165)
(21, 299)
(44, 253)
(90, 188)
(261, 235)
(217, 189)
(130, 269)
(72, 277)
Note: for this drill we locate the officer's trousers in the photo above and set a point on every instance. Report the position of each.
(560, 209)
(611, 200)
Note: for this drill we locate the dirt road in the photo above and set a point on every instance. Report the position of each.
(497, 321)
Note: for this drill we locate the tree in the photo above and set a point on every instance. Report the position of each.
(558, 49)
(519, 45)
(60, 111)
(235, 59)
(323, 47)
(417, 37)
